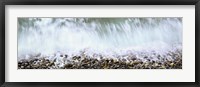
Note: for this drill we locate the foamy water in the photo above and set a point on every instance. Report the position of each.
(103, 36)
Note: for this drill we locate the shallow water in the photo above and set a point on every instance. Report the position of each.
(105, 36)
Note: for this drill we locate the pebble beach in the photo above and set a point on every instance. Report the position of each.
(86, 62)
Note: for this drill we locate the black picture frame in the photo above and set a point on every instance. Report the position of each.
(99, 2)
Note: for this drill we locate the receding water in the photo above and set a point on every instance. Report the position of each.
(106, 36)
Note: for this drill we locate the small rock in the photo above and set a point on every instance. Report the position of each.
(22, 67)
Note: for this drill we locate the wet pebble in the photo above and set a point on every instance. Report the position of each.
(79, 62)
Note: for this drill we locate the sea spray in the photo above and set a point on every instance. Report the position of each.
(96, 37)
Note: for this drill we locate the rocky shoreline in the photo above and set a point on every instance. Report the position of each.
(78, 62)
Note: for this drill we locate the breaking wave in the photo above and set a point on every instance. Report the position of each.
(98, 36)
